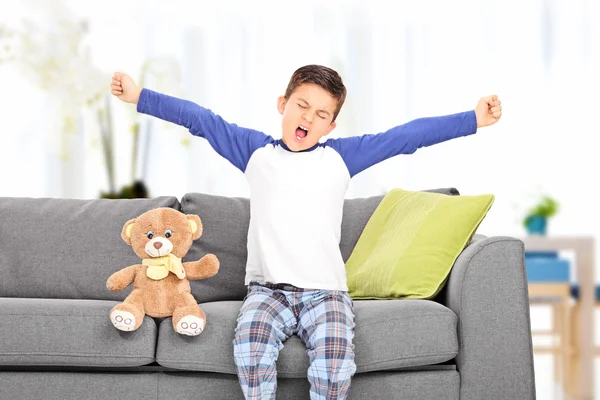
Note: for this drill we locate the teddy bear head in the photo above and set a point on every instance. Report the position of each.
(162, 231)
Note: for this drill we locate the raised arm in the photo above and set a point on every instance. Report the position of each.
(362, 152)
(234, 143)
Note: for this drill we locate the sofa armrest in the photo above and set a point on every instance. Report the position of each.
(487, 289)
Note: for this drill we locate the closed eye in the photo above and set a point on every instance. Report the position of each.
(322, 117)
(301, 106)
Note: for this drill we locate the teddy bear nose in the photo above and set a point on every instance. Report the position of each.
(157, 245)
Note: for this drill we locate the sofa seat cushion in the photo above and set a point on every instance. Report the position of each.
(389, 334)
(70, 333)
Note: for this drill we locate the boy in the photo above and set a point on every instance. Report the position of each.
(295, 273)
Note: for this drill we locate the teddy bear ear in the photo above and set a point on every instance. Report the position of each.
(195, 225)
(126, 232)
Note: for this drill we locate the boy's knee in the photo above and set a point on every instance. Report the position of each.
(255, 337)
(328, 350)
(337, 349)
(251, 354)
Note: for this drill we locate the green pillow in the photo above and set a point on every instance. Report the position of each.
(410, 243)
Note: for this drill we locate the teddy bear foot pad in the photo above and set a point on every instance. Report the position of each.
(123, 320)
(190, 325)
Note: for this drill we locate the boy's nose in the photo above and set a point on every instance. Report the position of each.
(307, 118)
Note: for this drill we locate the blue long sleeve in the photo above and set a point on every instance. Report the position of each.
(362, 152)
(234, 143)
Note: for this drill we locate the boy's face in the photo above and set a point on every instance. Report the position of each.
(307, 116)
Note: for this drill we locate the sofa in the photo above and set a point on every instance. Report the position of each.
(473, 341)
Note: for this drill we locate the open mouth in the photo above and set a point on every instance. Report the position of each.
(301, 133)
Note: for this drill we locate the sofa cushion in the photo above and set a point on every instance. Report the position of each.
(357, 213)
(225, 221)
(70, 333)
(66, 248)
(389, 334)
(411, 242)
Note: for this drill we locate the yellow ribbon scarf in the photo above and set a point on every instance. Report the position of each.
(159, 267)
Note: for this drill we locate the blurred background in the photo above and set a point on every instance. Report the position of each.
(63, 135)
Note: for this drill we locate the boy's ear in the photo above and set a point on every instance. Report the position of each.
(281, 101)
(331, 127)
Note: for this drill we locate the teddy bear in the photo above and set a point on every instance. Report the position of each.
(161, 237)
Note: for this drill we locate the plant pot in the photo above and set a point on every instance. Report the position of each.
(536, 225)
(136, 190)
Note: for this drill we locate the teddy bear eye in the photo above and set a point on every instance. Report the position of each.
(150, 234)
(168, 233)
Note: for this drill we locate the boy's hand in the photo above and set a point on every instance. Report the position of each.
(124, 88)
(488, 111)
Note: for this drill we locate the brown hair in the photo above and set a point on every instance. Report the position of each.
(321, 76)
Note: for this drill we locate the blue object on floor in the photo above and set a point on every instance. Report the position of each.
(575, 291)
(546, 269)
(541, 254)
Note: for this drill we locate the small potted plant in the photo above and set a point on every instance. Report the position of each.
(536, 220)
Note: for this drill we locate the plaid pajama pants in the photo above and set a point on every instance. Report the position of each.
(323, 319)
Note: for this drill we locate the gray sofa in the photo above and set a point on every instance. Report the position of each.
(56, 341)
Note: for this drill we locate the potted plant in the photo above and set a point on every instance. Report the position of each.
(536, 219)
(165, 72)
(56, 56)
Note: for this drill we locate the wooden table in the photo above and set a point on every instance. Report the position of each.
(583, 247)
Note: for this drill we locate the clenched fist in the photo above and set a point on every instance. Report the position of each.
(488, 111)
(125, 88)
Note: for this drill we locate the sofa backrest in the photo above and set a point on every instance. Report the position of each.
(226, 220)
(66, 248)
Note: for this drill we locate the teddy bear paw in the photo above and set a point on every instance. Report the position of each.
(123, 320)
(190, 325)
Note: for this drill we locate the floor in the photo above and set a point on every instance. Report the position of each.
(546, 388)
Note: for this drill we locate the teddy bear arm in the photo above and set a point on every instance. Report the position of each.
(204, 268)
(123, 278)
